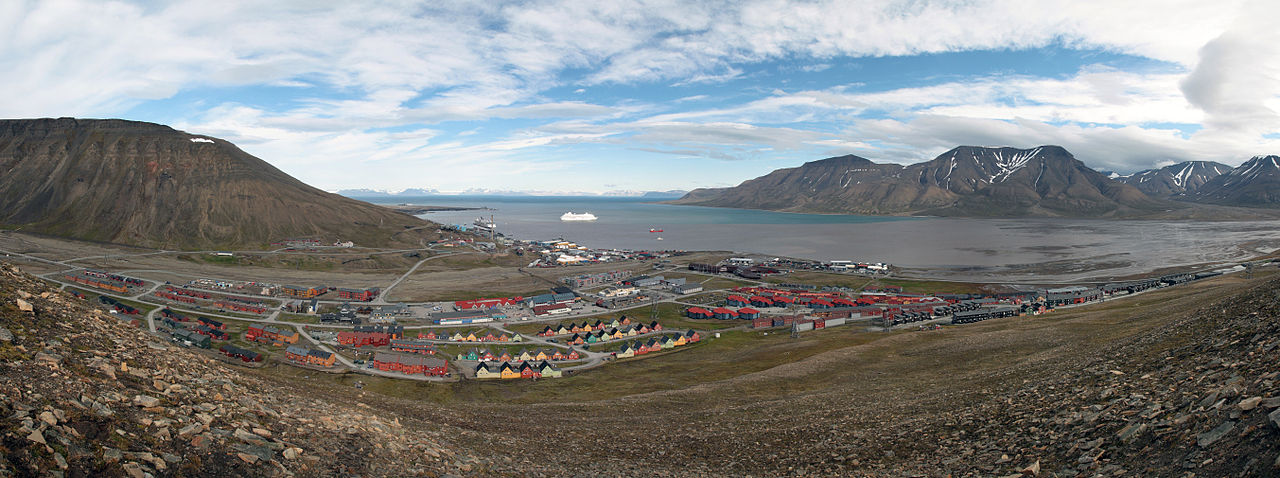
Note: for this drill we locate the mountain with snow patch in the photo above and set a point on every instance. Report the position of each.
(1182, 179)
(1256, 183)
(965, 181)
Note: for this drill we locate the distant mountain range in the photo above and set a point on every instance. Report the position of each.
(145, 184)
(993, 182)
(1175, 180)
(375, 193)
(1256, 183)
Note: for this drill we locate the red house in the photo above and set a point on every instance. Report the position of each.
(362, 295)
(410, 364)
(697, 313)
(361, 339)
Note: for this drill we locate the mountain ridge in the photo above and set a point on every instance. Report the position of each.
(964, 181)
(1255, 183)
(1176, 179)
(147, 184)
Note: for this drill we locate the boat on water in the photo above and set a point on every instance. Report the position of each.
(482, 222)
(655, 230)
(572, 216)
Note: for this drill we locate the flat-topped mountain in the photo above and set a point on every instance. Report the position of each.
(965, 181)
(1180, 179)
(150, 185)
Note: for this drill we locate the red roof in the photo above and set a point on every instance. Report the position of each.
(819, 301)
(722, 310)
(779, 298)
(748, 310)
(698, 310)
(737, 298)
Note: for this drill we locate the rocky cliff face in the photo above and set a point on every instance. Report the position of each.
(1180, 179)
(150, 185)
(966, 181)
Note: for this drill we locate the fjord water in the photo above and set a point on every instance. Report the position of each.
(1023, 250)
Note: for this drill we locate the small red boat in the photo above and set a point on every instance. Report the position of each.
(655, 230)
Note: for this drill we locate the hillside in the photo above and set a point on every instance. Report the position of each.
(149, 185)
(1256, 183)
(85, 394)
(1179, 379)
(966, 181)
(1180, 179)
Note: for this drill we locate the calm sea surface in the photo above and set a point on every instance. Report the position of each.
(963, 249)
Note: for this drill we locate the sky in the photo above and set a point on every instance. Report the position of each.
(625, 96)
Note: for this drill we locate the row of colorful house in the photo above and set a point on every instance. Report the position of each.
(570, 328)
(271, 335)
(472, 336)
(506, 370)
(97, 284)
(413, 346)
(310, 356)
(411, 364)
(484, 355)
(611, 334)
(662, 342)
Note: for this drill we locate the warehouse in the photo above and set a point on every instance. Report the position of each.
(685, 289)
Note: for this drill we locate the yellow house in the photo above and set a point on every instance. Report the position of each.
(526, 356)
(457, 337)
(541, 355)
(666, 342)
(632, 332)
(471, 337)
(678, 341)
(509, 372)
(484, 372)
(517, 338)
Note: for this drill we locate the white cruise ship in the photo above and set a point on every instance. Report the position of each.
(572, 216)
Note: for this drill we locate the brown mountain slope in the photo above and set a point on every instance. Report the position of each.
(150, 185)
(966, 181)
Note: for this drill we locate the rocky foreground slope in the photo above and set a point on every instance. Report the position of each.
(149, 185)
(83, 394)
(1178, 382)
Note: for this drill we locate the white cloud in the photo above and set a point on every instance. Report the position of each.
(368, 68)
